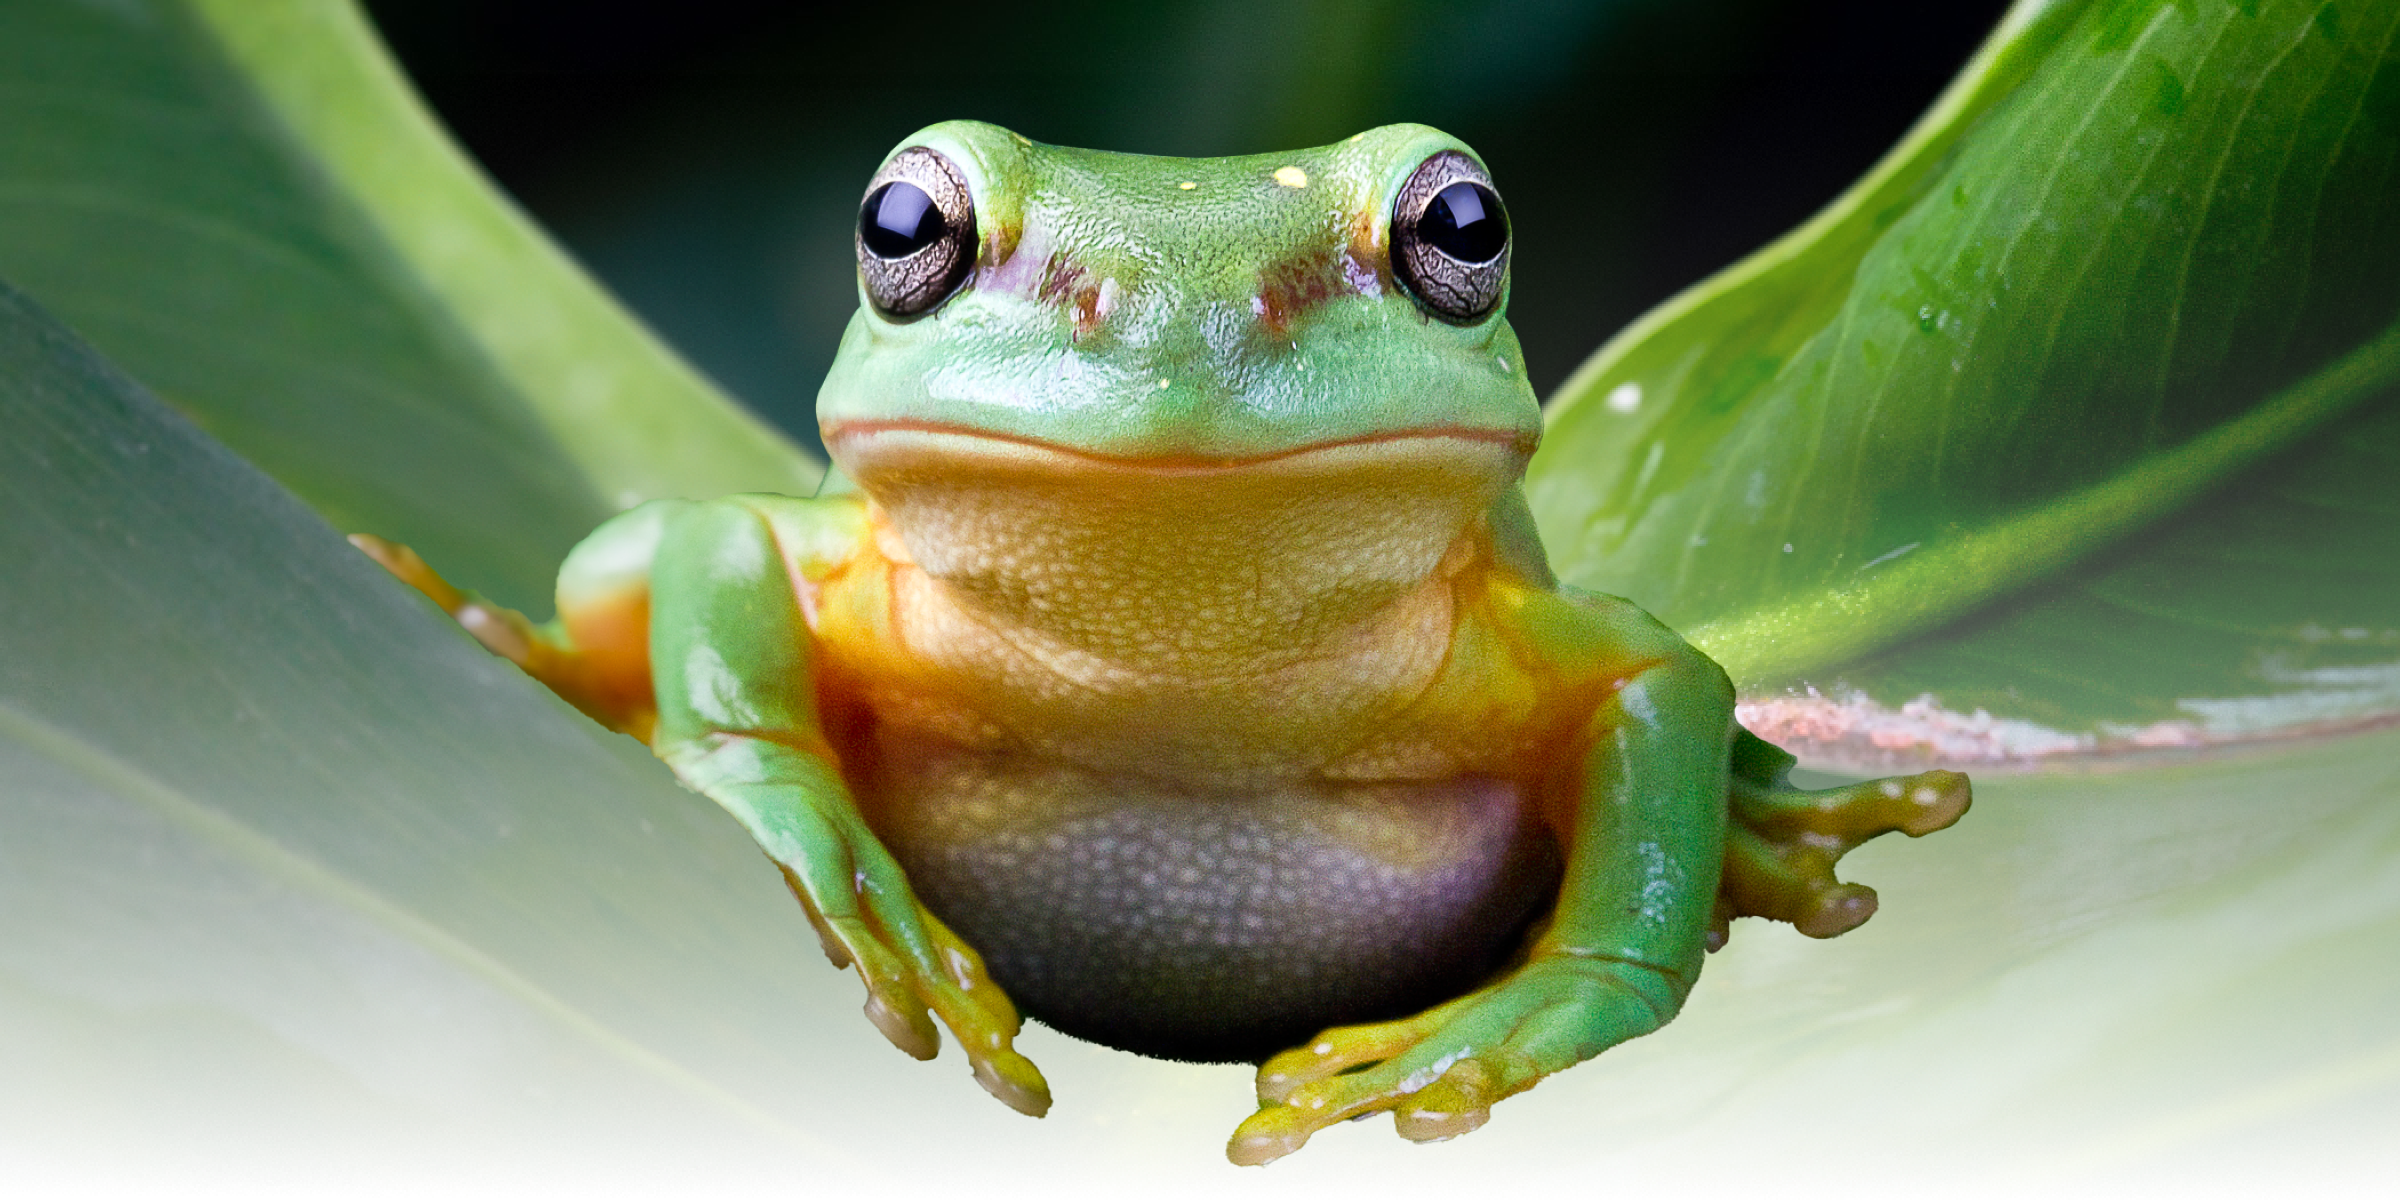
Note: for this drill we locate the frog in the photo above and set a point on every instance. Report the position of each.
(1171, 655)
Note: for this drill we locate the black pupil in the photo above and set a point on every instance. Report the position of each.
(1464, 222)
(899, 220)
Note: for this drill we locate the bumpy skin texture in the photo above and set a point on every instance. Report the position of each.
(1184, 666)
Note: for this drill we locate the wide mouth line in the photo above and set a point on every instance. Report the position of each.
(852, 431)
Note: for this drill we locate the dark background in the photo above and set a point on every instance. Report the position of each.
(705, 157)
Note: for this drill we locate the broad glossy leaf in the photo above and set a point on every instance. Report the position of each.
(281, 856)
(2139, 249)
(242, 203)
(2270, 610)
(300, 890)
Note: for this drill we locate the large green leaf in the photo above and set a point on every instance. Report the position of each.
(2140, 248)
(2265, 611)
(279, 853)
(242, 202)
(300, 889)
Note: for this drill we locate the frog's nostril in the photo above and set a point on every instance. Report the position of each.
(1091, 305)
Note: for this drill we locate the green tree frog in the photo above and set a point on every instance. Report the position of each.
(1174, 658)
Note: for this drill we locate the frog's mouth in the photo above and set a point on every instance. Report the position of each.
(868, 448)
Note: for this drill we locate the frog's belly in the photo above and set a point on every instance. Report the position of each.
(1216, 927)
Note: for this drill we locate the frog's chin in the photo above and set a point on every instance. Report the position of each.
(1228, 561)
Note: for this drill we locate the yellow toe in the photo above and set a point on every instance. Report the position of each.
(1013, 1080)
(911, 1031)
(1268, 1135)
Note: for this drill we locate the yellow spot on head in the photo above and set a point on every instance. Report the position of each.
(1291, 177)
(1187, 185)
(1162, 384)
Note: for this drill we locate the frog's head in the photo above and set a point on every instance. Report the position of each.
(1315, 325)
(1198, 310)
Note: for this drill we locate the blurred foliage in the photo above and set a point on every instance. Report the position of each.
(242, 204)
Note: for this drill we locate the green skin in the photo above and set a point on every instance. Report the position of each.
(1130, 314)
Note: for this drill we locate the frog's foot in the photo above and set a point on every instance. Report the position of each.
(911, 963)
(1782, 844)
(614, 693)
(1439, 1073)
(503, 631)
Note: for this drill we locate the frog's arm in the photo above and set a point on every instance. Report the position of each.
(1645, 842)
(734, 661)
(679, 624)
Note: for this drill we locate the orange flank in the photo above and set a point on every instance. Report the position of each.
(603, 667)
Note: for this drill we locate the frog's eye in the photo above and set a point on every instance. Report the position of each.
(1450, 238)
(916, 233)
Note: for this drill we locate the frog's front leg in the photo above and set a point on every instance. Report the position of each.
(1623, 944)
(734, 663)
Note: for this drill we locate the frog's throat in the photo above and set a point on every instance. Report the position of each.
(1179, 564)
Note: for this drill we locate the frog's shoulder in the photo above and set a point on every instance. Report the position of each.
(1516, 544)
